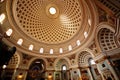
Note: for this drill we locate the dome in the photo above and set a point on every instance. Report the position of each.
(50, 25)
(35, 20)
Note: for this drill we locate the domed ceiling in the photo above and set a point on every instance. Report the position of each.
(51, 24)
(35, 19)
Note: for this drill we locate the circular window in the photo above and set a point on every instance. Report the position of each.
(52, 10)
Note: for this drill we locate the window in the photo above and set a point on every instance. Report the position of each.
(92, 62)
(64, 72)
(78, 42)
(31, 47)
(52, 10)
(41, 50)
(20, 41)
(2, 17)
(61, 50)
(64, 68)
(89, 22)
(70, 47)
(85, 34)
(51, 51)
(9, 32)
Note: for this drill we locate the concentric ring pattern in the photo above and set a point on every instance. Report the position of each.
(30, 16)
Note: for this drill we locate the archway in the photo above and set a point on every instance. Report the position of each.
(62, 67)
(36, 70)
(88, 68)
(106, 40)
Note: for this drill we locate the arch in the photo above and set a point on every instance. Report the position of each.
(37, 58)
(106, 39)
(37, 69)
(87, 50)
(64, 58)
(83, 57)
(99, 27)
(15, 60)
